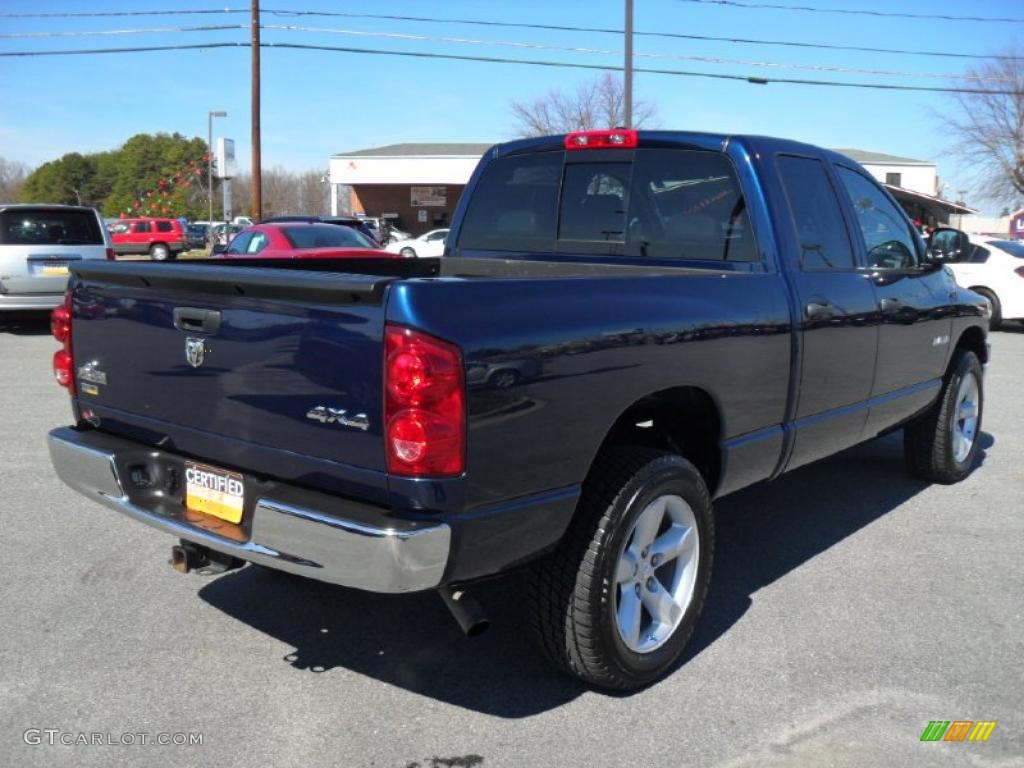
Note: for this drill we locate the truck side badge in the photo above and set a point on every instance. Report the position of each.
(326, 415)
(195, 351)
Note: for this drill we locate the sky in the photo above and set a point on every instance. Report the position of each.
(318, 103)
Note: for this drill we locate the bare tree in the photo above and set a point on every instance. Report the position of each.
(285, 192)
(595, 104)
(12, 178)
(988, 128)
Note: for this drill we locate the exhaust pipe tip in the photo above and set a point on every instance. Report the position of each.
(468, 613)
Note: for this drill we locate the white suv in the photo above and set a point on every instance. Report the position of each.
(37, 244)
(994, 267)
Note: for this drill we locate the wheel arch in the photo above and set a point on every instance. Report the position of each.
(972, 339)
(685, 420)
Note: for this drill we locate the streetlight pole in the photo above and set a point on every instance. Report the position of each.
(628, 68)
(209, 158)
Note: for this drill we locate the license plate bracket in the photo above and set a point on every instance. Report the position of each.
(214, 491)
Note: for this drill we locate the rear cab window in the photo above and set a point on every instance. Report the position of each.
(39, 226)
(664, 204)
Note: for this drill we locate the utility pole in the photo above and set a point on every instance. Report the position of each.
(257, 167)
(627, 88)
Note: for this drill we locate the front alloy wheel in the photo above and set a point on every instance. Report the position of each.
(941, 445)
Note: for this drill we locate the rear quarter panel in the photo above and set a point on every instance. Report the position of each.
(588, 348)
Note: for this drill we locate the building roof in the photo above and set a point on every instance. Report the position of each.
(420, 150)
(878, 158)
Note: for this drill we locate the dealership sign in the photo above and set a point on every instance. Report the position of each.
(429, 197)
(1017, 224)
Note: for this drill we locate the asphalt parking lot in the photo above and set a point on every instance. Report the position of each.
(851, 605)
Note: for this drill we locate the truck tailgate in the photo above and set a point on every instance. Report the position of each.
(235, 363)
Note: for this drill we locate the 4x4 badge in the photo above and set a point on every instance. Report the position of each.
(195, 351)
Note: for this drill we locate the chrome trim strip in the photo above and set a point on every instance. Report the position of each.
(288, 538)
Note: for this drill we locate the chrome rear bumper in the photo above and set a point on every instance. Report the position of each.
(282, 535)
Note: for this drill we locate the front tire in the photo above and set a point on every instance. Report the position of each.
(618, 600)
(942, 444)
(408, 253)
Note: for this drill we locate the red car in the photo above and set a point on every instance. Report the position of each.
(301, 240)
(162, 239)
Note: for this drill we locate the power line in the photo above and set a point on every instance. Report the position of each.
(94, 14)
(99, 32)
(515, 44)
(613, 31)
(757, 80)
(642, 55)
(855, 11)
(515, 25)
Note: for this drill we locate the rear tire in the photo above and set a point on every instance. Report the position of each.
(589, 599)
(995, 322)
(408, 253)
(159, 252)
(942, 444)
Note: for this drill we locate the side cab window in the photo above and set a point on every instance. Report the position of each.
(884, 226)
(816, 216)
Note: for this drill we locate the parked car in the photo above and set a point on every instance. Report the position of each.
(990, 266)
(351, 222)
(300, 240)
(221, 234)
(429, 244)
(37, 245)
(162, 239)
(196, 235)
(704, 318)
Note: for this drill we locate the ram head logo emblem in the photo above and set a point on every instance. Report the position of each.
(195, 351)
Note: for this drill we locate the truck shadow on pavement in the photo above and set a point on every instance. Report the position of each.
(410, 641)
(25, 323)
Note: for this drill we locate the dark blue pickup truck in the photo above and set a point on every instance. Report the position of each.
(624, 326)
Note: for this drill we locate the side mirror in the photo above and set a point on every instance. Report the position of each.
(947, 245)
(218, 248)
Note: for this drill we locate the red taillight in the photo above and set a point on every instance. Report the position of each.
(1019, 271)
(424, 408)
(60, 323)
(111, 256)
(63, 368)
(614, 139)
(63, 360)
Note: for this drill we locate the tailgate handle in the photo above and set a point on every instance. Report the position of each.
(196, 320)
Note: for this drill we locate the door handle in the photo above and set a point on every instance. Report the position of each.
(196, 320)
(819, 310)
(890, 305)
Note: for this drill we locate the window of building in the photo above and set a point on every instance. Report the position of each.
(894, 178)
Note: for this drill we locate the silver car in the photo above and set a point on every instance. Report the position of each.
(37, 244)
